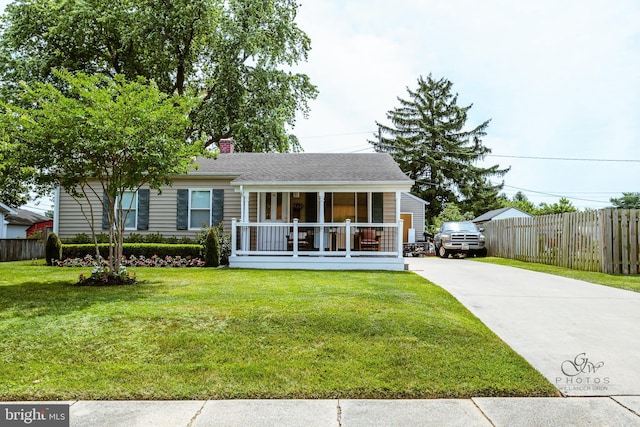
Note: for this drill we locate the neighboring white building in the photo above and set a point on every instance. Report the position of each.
(502, 213)
(4, 211)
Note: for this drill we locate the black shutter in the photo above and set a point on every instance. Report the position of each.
(105, 214)
(217, 207)
(182, 217)
(377, 207)
(143, 209)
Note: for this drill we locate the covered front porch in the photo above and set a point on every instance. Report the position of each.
(320, 230)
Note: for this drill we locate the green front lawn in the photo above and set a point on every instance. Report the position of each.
(630, 283)
(216, 334)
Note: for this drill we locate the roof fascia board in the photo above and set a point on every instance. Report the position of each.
(349, 187)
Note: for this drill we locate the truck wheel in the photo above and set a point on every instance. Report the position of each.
(442, 252)
(482, 252)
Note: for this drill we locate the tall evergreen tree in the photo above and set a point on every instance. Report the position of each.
(627, 201)
(429, 139)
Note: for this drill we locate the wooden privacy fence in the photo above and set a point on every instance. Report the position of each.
(605, 240)
(20, 249)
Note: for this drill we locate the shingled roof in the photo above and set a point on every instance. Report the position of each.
(26, 217)
(304, 168)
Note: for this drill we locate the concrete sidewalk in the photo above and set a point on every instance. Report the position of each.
(483, 411)
(584, 338)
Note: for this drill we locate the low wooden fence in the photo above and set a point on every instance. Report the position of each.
(605, 240)
(20, 249)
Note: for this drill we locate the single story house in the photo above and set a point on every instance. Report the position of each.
(502, 213)
(23, 223)
(4, 211)
(283, 210)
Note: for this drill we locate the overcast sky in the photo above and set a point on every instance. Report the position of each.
(557, 78)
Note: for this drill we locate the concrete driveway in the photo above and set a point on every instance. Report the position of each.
(584, 338)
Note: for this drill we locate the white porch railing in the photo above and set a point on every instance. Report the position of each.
(295, 239)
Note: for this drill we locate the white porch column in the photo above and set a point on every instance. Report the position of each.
(399, 222)
(400, 228)
(245, 206)
(348, 238)
(295, 237)
(321, 219)
(234, 236)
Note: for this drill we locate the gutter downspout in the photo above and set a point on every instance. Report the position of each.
(56, 211)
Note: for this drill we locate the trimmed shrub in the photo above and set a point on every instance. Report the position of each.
(211, 248)
(146, 250)
(53, 249)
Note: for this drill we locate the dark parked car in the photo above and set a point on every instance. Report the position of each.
(464, 238)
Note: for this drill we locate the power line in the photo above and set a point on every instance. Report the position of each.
(506, 156)
(571, 159)
(556, 195)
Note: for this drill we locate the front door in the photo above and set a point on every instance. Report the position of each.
(274, 208)
(407, 219)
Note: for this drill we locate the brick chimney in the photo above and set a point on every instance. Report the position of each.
(226, 146)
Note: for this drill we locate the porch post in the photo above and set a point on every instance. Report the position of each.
(399, 222)
(295, 237)
(234, 235)
(245, 206)
(245, 219)
(400, 228)
(347, 238)
(321, 220)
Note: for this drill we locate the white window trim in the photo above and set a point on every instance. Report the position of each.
(129, 209)
(199, 226)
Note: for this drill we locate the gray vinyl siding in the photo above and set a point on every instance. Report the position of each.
(411, 205)
(162, 210)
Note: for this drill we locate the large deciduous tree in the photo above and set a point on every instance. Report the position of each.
(102, 139)
(14, 176)
(430, 140)
(236, 55)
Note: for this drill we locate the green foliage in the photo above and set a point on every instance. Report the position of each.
(102, 135)
(429, 140)
(627, 201)
(14, 175)
(136, 249)
(212, 248)
(236, 55)
(561, 206)
(451, 212)
(224, 241)
(53, 249)
(131, 238)
(519, 201)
